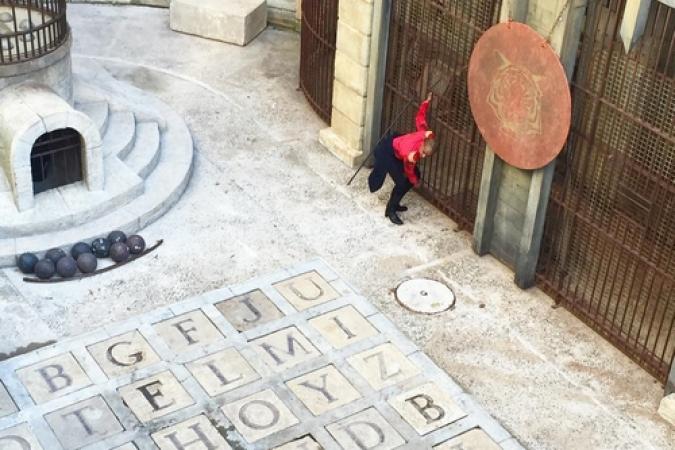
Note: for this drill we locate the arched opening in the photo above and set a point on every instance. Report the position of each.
(56, 159)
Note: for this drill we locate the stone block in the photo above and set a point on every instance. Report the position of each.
(349, 131)
(338, 147)
(667, 409)
(232, 21)
(358, 14)
(353, 43)
(350, 73)
(349, 102)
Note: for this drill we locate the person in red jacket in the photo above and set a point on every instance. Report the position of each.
(398, 155)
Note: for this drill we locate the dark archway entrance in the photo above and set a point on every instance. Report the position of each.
(56, 159)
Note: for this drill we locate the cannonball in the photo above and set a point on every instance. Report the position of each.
(117, 236)
(44, 269)
(26, 262)
(78, 249)
(66, 267)
(55, 254)
(87, 263)
(136, 244)
(100, 248)
(119, 252)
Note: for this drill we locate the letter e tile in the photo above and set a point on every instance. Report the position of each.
(323, 390)
(248, 311)
(83, 423)
(188, 331)
(53, 378)
(383, 366)
(343, 327)
(223, 371)
(197, 433)
(475, 439)
(427, 408)
(367, 429)
(19, 437)
(306, 290)
(259, 415)
(155, 396)
(123, 354)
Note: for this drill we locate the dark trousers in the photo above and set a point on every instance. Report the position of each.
(386, 162)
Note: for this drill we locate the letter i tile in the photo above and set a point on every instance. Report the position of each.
(427, 408)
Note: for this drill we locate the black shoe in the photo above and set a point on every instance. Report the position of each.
(394, 218)
(400, 208)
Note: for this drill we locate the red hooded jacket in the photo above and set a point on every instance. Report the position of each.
(412, 143)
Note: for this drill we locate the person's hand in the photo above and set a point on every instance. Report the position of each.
(430, 96)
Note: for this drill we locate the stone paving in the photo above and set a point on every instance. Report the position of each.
(294, 360)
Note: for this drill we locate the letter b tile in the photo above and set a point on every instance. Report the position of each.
(427, 408)
(365, 430)
(123, 354)
(53, 378)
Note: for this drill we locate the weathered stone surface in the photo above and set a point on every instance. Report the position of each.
(19, 437)
(305, 443)
(7, 405)
(323, 390)
(249, 310)
(123, 354)
(188, 331)
(307, 290)
(667, 408)
(284, 349)
(155, 396)
(197, 432)
(383, 366)
(427, 408)
(343, 327)
(475, 439)
(233, 21)
(367, 429)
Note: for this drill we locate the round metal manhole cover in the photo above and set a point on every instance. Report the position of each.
(425, 296)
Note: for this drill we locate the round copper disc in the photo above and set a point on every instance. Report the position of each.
(519, 95)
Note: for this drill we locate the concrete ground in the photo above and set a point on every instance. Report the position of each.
(266, 195)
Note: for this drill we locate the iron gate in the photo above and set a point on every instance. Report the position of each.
(609, 240)
(317, 54)
(429, 49)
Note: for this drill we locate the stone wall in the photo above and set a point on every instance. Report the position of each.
(345, 137)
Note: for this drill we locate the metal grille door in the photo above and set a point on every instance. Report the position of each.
(609, 245)
(429, 49)
(317, 54)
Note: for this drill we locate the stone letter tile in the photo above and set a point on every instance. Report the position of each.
(195, 433)
(383, 366)
(53, 378)
(188, 331)
(7, 405)
(155, 396)
(285, 348)
(83, 423)
(343, 327)
(306, 290)
(365, 430)
(250, 310)
(427, 408)
(323, 390)
(123, 354)
(259, 415)
(19, 437)
(475, 439)
(305, 443)
(127, 446)
(222, 371)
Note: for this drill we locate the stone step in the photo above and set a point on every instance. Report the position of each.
(98, 112)
(72, 205)
(145, 154)
(119, 137)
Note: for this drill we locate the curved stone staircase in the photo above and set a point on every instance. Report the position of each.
(148, 161)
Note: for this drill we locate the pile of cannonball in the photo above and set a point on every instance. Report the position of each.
(83, 257)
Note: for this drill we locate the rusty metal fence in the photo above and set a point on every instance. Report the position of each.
(317, 54)
(609, 244)
(30, 29)
(429, 49)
